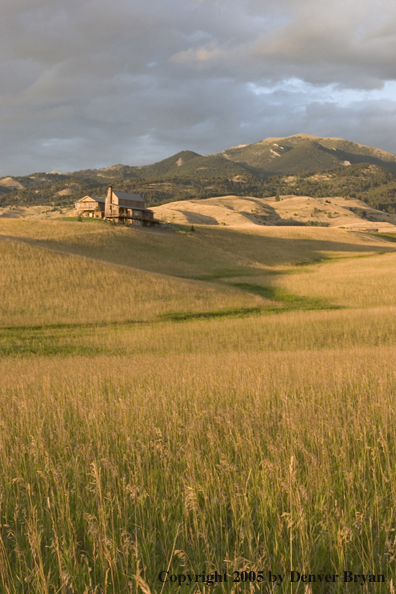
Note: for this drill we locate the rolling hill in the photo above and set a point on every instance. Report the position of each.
(289, 210)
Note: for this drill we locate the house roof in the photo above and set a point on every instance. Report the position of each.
(127, 196)
(120, 195)
(92, 198)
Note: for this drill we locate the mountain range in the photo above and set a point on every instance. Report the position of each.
(299, 165)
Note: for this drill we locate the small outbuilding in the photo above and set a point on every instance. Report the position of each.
(118, 207)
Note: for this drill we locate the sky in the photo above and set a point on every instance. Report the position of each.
(93, 83)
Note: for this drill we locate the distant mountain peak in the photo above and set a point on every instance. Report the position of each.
(300, 135)
(302, 153)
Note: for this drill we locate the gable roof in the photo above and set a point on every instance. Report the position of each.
(127, 196)
(119, 195)
(91, 198)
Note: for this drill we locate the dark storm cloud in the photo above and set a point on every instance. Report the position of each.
(90, 83)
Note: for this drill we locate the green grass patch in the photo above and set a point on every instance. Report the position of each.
(47, 341)
(39, 348)
(221, 313)
(387, 236)
(287, 300)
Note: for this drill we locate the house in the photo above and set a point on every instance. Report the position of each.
(117, 206)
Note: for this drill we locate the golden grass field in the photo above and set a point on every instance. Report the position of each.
(232, 211)
(217, 400)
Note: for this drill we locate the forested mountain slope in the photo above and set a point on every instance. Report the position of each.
(300, 165)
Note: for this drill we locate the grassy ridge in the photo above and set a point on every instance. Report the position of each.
(39, 286)
(233, 442)
(207, 254)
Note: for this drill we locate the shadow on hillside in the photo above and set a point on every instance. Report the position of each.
(192, 217)
(211, 251)
(263, 215)
(355, 159)
(267, 214)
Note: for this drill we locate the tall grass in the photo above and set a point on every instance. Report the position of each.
(114, 467)
(40, 286)
(296, 331)
(258, 443)
(355, 283)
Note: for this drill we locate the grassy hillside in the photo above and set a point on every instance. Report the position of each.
(210, 252)
(140, 295)
(195, 401)
(286, 210)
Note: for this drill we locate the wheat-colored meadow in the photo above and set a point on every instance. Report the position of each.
(137, 436)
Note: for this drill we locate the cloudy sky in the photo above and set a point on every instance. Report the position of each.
(92, 83)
